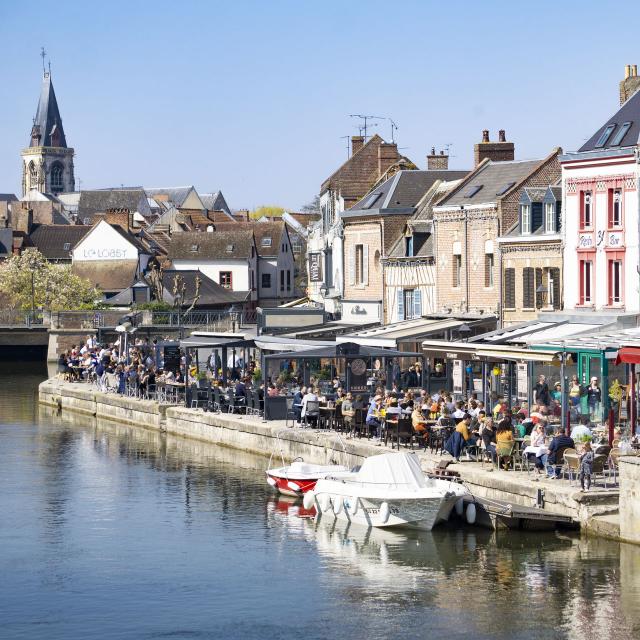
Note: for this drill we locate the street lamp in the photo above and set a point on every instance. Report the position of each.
(464, 330)
(542, 291)
(235, 317)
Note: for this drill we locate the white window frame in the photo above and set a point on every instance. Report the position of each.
(617, 209)
(525, 218)
(549, 217)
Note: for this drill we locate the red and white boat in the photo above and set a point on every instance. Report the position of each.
(299, 477)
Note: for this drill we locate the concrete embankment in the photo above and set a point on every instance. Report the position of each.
(596, 511)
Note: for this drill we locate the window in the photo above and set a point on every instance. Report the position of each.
(230, 248)
(505, 189)
(408, 247)
(549, 217)
(265, 242)
(602, 140)
(409, 304)
(371, 200)
(66, 246)
(510, 288)
(33, 175)
(194, 248)
(56, 177)
(615, 208)
(488, 270)
(615, 282)
(525, 219)
(472, 192)
(296, 243)
(528, 287)
(360, 266)
(539, 294)
(457, 271)
(620, 134)
(281, 280)
(585, 210)
(586, 285)
(288, 280)
(266, 281)
(226, 279)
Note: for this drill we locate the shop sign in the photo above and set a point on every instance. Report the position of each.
(615, 239)
(456, 372)
(585, 241)
(315, 267)
(522, 375)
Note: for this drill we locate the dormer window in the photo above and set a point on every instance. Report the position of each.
(525, 219)
(604, 136)
(549, 217)
(409, 246)
(265, 242)
(66, 246)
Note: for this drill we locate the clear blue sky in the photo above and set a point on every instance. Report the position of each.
(253, 97)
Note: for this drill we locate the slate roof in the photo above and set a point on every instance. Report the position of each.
(6, 243)
(216, 245)
(273, 230)
(174, 195)
(51, 239)
(628, 112)
(536, 194)
(99, 200)
(492, 178)
(404, 190)
(48, 116)
(8, 197)
(215, 202)
(108, 275)
(211, 293)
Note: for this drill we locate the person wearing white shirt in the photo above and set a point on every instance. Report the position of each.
(310, 396)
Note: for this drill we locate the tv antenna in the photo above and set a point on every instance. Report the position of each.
(365, 126)
(348, 148)
(394, 128)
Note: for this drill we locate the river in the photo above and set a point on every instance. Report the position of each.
(116, 532)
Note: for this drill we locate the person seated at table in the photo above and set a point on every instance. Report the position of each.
(393, 410)
(297, 404)
(348, 412)
(418, 421)
(504, 436)
(488, 436)
(560, 441)
(272, 391)
(444, 420)
(375, 417)
(520, 430)
(407, 402)
(499, 408)
(463, 429)
(310, 396)
(459, 412)
(340, 395)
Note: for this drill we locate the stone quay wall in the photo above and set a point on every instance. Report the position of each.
(630, 499)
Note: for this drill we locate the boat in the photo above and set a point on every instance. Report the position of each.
(300, 476)
(389, 490)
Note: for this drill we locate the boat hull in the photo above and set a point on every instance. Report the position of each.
(283, 485)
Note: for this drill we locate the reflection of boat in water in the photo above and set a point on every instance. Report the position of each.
(389, 490)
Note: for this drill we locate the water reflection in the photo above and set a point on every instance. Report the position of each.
(120, 532)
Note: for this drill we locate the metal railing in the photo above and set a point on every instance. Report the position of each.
(209, 319)
(16, 318)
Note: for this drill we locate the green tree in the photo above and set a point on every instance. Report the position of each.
(28, 278)
(270, 211)
(312, 207)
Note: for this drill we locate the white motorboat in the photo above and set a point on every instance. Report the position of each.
(389, 490)
(299, 477)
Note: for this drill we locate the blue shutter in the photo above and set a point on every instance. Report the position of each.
(417, 303)
(400, 304)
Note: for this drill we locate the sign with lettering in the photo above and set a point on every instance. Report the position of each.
(315, 267)
(614, 239)
(585, 241)
(523, 382)
(456, 374)
(105, 254)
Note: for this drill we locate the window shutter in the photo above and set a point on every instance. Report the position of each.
(528, 280)
(487, 269)
(610, 209)
(536, 216)
(538, 284)
(558, 216)
(352, 264)
(510, 288)
(582, 210)
(417, 303)
(400, 304)
(365, 264)
(554, 274)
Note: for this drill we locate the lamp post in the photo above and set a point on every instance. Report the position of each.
(463, 331)
(235, 317)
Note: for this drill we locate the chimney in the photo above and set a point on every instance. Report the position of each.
(437, 161)
(23, 220)
(630, 84)
(387, 155)
(357, 142)
(121, 217)
(500, 151)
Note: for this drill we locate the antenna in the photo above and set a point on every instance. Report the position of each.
(347, 139)
(43, 54)
(365, 118)
(394, 128)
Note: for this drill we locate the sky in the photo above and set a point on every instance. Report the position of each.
(254, 98)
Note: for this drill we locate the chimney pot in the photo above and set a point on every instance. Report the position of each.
(433, 151)
(634, 70)
(441, 152)
(627, 71)
(502, 137)
(485, 135)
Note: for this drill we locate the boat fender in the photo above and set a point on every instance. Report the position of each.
(294, 486)
(271, 481)
(309, 500)
(337, 505)
(354, 503)
(460, 507)
(471, 513)
(385, 512)
(325, 503)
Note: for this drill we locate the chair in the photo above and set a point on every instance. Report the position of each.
(504, 451)
(557, 466)
(405, 432)
(358, 422)
(599, 464)
(311, 413)
(338, 418)
(613, 462)
(571, 465)
(290, 414)
(219, 402)
(236, 404)
(199, 398)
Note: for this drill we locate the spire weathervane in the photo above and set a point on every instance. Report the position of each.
(43, 54)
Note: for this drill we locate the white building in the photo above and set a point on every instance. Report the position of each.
(276, 263)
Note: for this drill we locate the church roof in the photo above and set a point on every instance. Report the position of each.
(48, 117)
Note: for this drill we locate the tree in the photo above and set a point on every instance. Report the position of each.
(270, 211)
(312, 207)
(28, 279)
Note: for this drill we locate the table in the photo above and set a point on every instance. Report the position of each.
(326, 417)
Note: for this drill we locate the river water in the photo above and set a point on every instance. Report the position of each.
(114, 532)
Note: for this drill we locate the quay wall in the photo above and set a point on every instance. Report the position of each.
(253, 435)
(630, 499)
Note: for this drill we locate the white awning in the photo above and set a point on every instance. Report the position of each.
(277, 343)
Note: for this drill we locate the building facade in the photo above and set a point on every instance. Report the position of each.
(47, 163)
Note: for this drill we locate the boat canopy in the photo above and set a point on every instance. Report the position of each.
(402, 469)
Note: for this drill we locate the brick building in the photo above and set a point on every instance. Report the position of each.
(371, 228)
(468, 221)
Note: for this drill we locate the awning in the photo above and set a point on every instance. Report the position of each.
(277, 343)
(212, 342)
(519, 355)
(486, 352)
(629, 355)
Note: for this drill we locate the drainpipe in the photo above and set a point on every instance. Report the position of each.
(466, 260)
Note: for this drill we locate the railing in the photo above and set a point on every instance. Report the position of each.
(15, 318)
(210, 319)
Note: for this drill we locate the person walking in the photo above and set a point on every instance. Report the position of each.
(586, 467)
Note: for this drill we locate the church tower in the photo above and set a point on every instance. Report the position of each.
(47, 163)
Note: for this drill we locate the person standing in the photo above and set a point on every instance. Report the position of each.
(541, 393)
(586, 467)
(594, 398)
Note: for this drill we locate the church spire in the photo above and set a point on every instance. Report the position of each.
(47, 128)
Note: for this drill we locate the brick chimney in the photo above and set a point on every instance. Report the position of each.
(357, 142)
(387, 155)
(631, 82)
(22, 219)
(496, 151)
(121, 217)
(437, 161)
